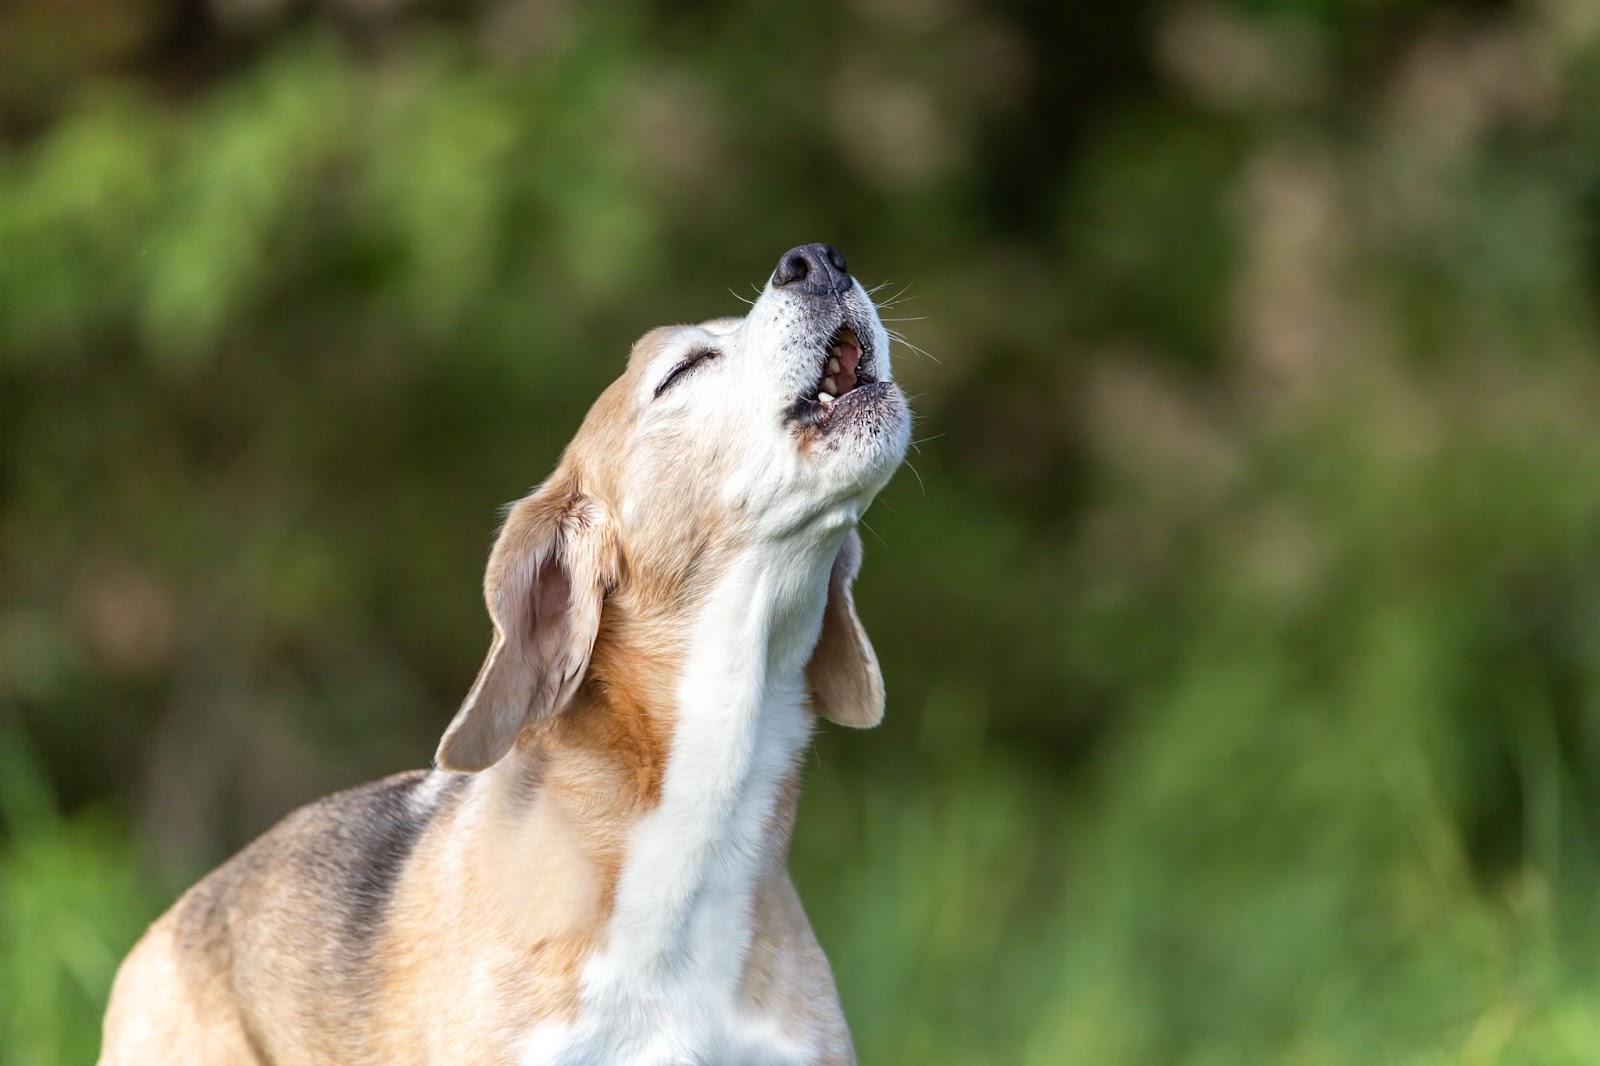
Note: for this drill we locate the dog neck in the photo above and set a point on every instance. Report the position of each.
(680, 769)
(740, 722)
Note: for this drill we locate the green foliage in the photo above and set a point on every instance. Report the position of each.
(1241, 619)
(71, 901)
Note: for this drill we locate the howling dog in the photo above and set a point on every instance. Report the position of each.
(596, 870)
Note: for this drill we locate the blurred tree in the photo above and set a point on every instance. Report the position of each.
(1238, 615)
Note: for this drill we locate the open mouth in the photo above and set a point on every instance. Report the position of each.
(844, 365)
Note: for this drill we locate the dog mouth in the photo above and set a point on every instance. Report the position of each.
(844, 367)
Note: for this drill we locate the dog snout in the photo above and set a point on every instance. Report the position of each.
(812, 269)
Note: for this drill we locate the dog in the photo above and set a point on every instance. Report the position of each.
(595, 871)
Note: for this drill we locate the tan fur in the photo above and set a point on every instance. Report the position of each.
(846, 683)
(506, 890)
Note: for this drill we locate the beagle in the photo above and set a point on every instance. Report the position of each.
(595, 871)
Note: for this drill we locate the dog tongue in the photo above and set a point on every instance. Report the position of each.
(848, 351)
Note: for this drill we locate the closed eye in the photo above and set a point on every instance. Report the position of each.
(688, 363)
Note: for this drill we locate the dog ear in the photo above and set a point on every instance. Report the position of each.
(547, 578)
(846, 683)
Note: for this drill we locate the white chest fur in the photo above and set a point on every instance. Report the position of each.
(665, 986)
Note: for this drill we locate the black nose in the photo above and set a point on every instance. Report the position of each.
(814, 269)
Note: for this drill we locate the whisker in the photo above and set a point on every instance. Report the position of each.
(875, 533)
(741, 299)
(895, 335)
(920, 483)
(897, 297)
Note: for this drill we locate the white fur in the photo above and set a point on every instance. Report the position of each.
(664, 987)
(425, 797)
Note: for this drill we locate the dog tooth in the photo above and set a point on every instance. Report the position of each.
(830, 385)
(824, 397)
(833, 365)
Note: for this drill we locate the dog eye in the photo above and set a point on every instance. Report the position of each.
(687, 364)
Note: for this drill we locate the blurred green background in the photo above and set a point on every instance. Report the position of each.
(1241, 618)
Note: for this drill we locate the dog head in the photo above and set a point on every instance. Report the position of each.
(766, 434)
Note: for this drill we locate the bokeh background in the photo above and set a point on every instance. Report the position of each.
(1241, 615)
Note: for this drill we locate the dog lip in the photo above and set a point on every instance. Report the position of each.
(844, 365)
(809, 414)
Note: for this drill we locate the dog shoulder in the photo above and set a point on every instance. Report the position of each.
(284, 929)
(294, 919)
(335, 860)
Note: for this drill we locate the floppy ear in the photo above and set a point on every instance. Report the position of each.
(552, 564)
(846, 684)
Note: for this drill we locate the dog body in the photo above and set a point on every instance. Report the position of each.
(596, 872)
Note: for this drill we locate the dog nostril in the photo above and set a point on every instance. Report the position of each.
(836, 257)
(793, 268)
